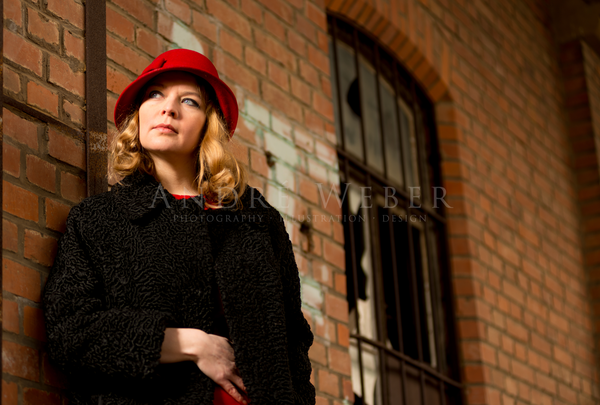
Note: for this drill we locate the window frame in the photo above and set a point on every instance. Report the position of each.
(351, 167)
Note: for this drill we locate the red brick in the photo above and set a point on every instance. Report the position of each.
(202, 25)
(42, 97)
(281, 9)
(316, 15)
(66, 149)
(149, 42)
(296, 43)
(12, 81)
(138, 9)
(22, 52)
(10, 393)
(119, 25)
(278, 76)
(12, 11)
(273, 26)
(334, 253)
(318, 59)
(10, 316)
(41, 173)
(339, 360)
(116, 82)
(230, 43)
(306, 28)
(318, 353)
(72, 187)
(234, 70)
(11, 159)
(258, 163)
(256, 61)
(21, 280)
(68, 10)
(229, 17)
(56, 215)
(252, 10)
(74, 46)
(21, 130)
(340, 282)
(39, 248)
(125, 56)
(309, 73)
(32, 396)
(33, 323)
(275, 50)
(73, 112)
(329, 383)
(323, 105)
(343, 335)
(19, 202)
(336, 307)
(41, 27)
(179, 9)
(10, 237)
(274, 96)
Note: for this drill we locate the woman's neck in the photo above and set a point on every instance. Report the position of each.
(176, 176)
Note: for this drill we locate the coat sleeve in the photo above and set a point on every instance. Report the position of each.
(84, 338)
(299, 335)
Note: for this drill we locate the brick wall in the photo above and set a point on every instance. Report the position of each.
(43, 176)
(523, 309)
(520, 284)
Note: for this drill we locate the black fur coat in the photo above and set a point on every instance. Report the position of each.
(135, 260)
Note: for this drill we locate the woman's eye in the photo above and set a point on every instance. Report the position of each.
(154, 94)
(191, 102)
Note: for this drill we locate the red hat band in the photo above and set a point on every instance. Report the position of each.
(183, 60)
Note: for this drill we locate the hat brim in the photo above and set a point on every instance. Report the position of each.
(127, 101)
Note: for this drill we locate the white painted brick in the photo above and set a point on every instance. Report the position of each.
(281, 127)
(312, 296)
(317, 171)
(285, 176)
(258, 113)
(326, 153)
(184, 38)
(281, 148)
(304, 141)
(280, 199)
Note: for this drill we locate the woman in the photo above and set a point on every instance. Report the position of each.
(178, 286)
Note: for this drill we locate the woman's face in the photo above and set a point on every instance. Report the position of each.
(171, 116)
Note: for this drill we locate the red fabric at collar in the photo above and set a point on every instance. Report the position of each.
(182, 196)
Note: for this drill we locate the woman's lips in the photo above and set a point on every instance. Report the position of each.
(165, 129)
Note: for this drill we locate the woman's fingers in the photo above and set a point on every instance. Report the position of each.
(231, 390)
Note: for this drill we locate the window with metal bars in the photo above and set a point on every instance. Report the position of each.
(402, 347)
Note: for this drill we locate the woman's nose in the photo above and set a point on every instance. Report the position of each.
(169, 108)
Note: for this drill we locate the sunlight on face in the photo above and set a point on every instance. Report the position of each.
(172, 116)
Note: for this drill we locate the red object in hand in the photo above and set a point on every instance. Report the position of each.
(223, 398)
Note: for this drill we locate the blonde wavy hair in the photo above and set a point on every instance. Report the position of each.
(219, 176)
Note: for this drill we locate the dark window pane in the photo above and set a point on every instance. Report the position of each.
(409, 146)
(350, 98)
(334, 93)
(393, 375)
(432, 392)
(370, 109)
(362, 306)
(413, 386)
(391, 134)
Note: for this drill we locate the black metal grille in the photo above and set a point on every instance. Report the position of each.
(401, 320)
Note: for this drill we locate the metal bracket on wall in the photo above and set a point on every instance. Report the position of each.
(95, 94)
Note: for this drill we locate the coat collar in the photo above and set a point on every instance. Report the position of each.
(140, 194)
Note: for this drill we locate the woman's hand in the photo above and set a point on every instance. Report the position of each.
(212, 354)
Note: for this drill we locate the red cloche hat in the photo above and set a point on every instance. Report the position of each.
(184, 60)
